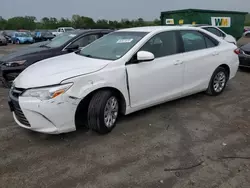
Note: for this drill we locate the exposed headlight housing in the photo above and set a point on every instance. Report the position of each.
(14, 63)
(47, 93)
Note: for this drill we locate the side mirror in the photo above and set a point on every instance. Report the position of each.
(145, 56)
(72, 47)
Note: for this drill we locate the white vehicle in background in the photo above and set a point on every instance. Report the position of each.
(217, 31)
(62, 30)
(120, 73)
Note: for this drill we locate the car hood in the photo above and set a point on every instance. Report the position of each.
(21, 53)
(54, 70)
(246, 47)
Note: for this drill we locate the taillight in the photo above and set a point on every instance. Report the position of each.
(237, 51)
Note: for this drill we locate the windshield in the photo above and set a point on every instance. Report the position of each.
(23, 34)
(60, 40)
(112, 46)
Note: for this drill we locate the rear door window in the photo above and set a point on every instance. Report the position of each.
(210, 42)
(193, 40)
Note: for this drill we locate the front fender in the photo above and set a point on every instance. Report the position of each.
(84, 85)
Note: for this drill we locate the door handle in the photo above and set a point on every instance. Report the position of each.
(178, 62)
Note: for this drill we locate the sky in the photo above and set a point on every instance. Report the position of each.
(111, 9)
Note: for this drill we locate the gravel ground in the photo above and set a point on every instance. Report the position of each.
(198, 141)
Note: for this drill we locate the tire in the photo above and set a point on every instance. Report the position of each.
(100, 117)
(219, 74)
(17, 42)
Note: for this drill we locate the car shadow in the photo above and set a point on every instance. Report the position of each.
(130, 118)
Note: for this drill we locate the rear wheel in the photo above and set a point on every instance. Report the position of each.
(218, 81)
(103, 111)
(17, 41)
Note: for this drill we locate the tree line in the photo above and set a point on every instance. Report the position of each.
(77, 21)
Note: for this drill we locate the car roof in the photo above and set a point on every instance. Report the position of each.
(203, 25)
(196, 25)
(155, 28)
(82, 31)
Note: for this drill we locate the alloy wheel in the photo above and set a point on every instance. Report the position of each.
(111, 111)
(219, 82)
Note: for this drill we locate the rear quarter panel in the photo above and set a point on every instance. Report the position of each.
(228, 57)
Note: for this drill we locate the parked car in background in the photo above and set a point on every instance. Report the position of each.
(122, 72)
(245, 39)
(22, 38)
(3, 40)
(61, 30)
(14, 63)
(244, 55)
(247, 28)
(43, 36)
(8, 34)
(216, 31)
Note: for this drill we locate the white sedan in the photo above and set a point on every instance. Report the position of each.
(120, 73)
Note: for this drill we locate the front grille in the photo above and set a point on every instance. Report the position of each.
(19, 114)
(15, 93)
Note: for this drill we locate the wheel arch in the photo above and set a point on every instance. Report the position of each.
(227, 68)
(82, 108)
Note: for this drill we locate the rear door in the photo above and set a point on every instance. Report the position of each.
(200, 57)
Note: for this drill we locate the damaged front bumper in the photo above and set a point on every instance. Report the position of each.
(52, 116)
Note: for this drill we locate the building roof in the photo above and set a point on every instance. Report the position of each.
(203, 10)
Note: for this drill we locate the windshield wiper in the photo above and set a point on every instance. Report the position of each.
(87, 55)
(44, 46)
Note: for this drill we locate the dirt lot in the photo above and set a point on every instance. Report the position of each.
(198, 141)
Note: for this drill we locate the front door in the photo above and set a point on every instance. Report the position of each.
(159, 80)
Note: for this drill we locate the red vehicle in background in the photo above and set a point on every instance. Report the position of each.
(246, 29)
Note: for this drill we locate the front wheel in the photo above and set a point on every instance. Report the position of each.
(17, 41)
(103, 111)
(218, 81)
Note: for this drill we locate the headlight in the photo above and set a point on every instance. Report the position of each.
(47, 93)
(14, 63)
